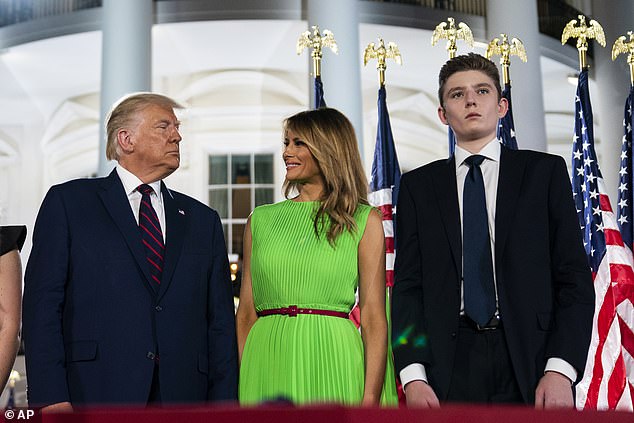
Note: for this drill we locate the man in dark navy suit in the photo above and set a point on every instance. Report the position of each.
(493, 297)
(127, 290)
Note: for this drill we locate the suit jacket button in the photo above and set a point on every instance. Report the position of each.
(453, 334)
(158, 308)
(150, 355)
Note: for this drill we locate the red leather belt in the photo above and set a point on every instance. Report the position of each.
(293, 311)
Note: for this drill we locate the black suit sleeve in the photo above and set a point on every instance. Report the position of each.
(408, 325)
(572, 281)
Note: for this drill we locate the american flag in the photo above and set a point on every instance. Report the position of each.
(625, 180)
(386, 178)
(506, 127)
(319, 93)
(384, 184)
(604, 384)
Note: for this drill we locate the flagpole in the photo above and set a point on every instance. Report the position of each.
(583, 33)
(622, 45)
(448, 31)
(501, 47)
(384, 183)
(315, 41)
(382, 53)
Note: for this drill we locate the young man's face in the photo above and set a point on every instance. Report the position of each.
(471, 106)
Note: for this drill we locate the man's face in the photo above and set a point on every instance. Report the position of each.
(471, 106)
(155, 140)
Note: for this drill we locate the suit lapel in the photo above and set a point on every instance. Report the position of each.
(116, 203)
(176, 222)
(512, 168)
(447, 194)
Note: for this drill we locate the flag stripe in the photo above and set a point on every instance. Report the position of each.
(604, 384)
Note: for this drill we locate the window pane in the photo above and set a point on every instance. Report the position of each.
(236, 242)
(263, 196)
(225, 230)
(218, 201)
(217, 170)
(240, 203)
(241, 169)
(263, 168)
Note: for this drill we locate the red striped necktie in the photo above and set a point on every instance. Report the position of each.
(151, 233)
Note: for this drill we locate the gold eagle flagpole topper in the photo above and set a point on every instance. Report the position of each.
(583, 33)
(622, 45)
(382, 53)
(315, 41)
(447, 31)
(501, 47)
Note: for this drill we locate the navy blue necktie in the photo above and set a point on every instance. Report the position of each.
(478, 285)
(151, 233)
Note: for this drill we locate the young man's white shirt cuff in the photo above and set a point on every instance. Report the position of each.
(416, 371)
(560, 365)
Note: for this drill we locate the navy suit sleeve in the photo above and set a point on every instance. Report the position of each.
(223, 356)
(572, 280)
(44, 286)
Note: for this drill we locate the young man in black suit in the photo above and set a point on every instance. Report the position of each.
(493, 297)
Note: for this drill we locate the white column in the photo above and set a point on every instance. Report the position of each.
(126, 63)
(612, 80)
(340, 74)
(519, 19)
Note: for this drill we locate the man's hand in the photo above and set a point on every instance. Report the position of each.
(554, 391)
(60, 407)
(419, 394)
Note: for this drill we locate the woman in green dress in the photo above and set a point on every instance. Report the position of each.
(304, 258)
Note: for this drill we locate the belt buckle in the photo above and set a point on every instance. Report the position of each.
(292, 311)
(489, 326)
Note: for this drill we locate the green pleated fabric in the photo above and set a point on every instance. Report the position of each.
(305, 359)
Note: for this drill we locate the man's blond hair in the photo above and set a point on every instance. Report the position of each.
(125, 112)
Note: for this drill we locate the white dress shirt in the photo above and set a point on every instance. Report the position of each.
(130, 184)
(490, 171)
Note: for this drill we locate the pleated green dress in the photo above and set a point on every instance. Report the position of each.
(305, 359)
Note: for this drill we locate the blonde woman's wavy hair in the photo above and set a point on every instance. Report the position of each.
(330, 137)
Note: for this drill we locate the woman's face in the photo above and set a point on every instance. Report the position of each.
(301, 165)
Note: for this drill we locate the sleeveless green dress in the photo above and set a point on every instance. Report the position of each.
(308, 358)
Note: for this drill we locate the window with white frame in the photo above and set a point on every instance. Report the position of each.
(237, 184)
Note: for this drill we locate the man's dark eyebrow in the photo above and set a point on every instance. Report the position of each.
(484, 84)
(454, 89)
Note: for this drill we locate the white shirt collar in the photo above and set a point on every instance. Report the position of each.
(491, 151)
(131, 182)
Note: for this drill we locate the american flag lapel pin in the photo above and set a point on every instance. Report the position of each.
(181, 212)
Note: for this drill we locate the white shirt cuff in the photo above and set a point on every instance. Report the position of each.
(559, 365)
(414, 371)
